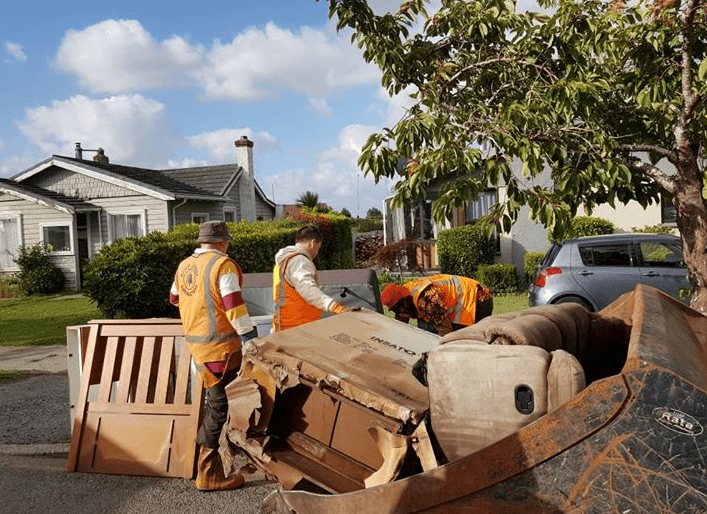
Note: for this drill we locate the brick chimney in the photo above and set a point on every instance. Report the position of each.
(246, 187)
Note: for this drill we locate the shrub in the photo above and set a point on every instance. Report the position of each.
(500, 278)
(399, 256)
(38, 274)
(460, 250)
(131, 277)
(530, 263)
(655, 229)
(583, 226)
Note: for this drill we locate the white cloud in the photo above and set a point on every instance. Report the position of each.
(259, 63)
(15, 50)
(336, 178)
(118, 56)
(13, 165)
(320, 106)
(220, 144)
(130, 128)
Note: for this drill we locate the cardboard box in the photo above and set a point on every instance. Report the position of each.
(323, 402)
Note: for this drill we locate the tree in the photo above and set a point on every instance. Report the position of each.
(596, 92)
(308, 199)
(346, 212)
(373, 212)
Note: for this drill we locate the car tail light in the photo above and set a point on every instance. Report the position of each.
(540, 281)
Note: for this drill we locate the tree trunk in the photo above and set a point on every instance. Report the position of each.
(692, 224)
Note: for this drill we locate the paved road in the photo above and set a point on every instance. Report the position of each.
(34, 437)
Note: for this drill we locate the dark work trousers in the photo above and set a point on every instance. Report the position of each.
(215, 411)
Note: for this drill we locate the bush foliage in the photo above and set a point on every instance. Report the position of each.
(38, 274)
(131, 277)
(500, 278)
(530, 263)
(585, 226)
(461, 250)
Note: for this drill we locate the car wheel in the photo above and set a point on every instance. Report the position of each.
(575, 299)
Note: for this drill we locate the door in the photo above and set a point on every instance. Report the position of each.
(662, 266)
(606, 271)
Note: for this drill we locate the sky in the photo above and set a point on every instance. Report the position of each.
(174, 84)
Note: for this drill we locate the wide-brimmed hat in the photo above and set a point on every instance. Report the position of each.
(213, 232)
(393, 293)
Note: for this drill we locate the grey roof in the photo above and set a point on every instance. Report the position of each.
(214, 179)
(146, 176)
(41, 195)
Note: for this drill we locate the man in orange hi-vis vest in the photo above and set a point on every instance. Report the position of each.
(207, 290)
(296, 293)
(440, 303)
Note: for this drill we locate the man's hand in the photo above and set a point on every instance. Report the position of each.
(337, 308)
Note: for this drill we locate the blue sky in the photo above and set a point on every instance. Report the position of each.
(174, 84)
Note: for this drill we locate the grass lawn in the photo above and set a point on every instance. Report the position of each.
(42, 320)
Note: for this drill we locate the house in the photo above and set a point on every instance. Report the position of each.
(525, 235)
(76, 206)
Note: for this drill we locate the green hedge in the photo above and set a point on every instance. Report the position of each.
(38, 274)
(131, 277)
(530, 263)
(461, 250)
(583, 226)
(500, 278)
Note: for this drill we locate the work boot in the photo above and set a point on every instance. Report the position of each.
(210, 476)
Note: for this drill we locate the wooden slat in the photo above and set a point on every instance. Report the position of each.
(164, 371)
(140, 408)
(126, 368)
(143, 381)
(108, 365)
(183, 370)
(82, 399)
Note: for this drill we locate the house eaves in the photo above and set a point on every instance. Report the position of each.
(45, 197)
(262, 195)
(145, 181)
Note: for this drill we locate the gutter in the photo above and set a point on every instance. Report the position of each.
(174, 212)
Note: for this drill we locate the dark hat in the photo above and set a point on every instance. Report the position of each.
(213, 232)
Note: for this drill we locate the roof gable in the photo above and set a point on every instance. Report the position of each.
(45, 197)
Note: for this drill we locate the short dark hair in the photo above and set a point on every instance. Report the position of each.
(307, 233)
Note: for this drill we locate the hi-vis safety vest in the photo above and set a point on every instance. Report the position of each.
(209, 334)
(291, 310)
(459, 295)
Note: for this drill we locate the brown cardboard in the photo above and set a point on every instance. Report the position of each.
(328, 390)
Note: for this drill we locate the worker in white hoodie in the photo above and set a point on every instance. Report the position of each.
(296, 293)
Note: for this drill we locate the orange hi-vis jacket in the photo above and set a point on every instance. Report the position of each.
(459, 295)
(291, 310)
(209, 333)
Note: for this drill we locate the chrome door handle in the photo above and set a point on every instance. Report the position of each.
(585, 273)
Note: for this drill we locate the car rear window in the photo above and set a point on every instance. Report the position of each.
(606, 255)
(550, 255)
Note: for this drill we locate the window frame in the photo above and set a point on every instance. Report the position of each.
(17, 217)
(68, 225)
(204, 215)
(232, 212)
(143, 222)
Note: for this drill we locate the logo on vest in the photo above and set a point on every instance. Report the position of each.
(189, 274)
(677, 421)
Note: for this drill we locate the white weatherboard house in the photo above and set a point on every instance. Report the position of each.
(78, 205)
(525, 235)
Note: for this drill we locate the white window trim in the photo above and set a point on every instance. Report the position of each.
(72, 244)
(143, 218)
(20, 233)
(197, 214)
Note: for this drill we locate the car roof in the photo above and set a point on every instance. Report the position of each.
(633, 236)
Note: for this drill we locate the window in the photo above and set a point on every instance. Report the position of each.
(10, 240)
(481, 206)
(606, 255)
(199, 217)
(662, 255)
(668, 214)
(57, 238)
(126, 225)
(229, 216)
